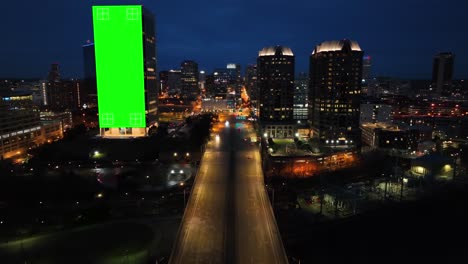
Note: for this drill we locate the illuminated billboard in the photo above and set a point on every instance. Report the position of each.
(118, 42)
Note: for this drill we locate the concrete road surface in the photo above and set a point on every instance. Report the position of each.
(228, 218)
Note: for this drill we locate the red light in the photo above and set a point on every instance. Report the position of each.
(432, 104)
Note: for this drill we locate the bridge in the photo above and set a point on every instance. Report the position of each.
(229, 218)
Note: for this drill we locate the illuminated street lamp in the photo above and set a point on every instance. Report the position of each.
(265, 135)
(297, 134)
(175, 154)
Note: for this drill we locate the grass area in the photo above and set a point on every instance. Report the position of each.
(108, 243)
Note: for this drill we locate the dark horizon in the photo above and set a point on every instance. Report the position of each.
(401, 41)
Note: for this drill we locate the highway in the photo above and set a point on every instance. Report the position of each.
(228, 218)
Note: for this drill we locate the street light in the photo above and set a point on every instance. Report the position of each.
(265, 135)
(175, 154)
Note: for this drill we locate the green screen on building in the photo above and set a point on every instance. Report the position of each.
(118, 42)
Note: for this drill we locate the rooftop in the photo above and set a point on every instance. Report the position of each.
(275, 51)
(337, 45)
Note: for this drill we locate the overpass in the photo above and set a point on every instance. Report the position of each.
(228, 218)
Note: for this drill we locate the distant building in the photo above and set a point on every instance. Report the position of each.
(301, 88)
(221, 81)
(234, 71)
(64, 95)
(275, 81)
(202, 82)
(442, 73)
(366, 68)
(89, 89)
(54, 73)
(335, 92)
(174, 82)
(61, 95)
(375, 113)
(210, 85)
(189, 79)
(163, 82)
(385, 136)
(20, 127)
(251, 83)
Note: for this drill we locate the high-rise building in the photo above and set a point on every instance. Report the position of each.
(251, 83)
(174, 82)
(375, 113)
(366, 68)
(163, 82)
(54, 73)
(63, 95)
(210, 85)
(335, 92)
(301, 88)
(235, 79)
(189, 79)
(20, 126)
(201, 83)
(89, 87)
(442, 73)
(126, 81)
(275, 81)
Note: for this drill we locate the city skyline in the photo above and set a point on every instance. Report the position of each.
(401, 41)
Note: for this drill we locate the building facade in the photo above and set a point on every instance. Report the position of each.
(275, 81)
(301, 88)
(189, 79)
(335, 92)
(442, 73)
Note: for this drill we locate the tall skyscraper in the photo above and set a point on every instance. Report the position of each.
(125, 49)
(366, 68)
(334, 92)
(61, 95)
(163, 82)
(301, 88)
(442, 73)
(201, 83)
(174, 82)
(89, 87)
(54, 73)
(189, 79)
(251, 83)
(275, 66)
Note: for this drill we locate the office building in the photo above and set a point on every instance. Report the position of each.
(201, 83)
(189, 79)
(20, 127)
(174, 82)
(251, 83)
(163, 82)
(301, 88)
(442, 73)
(275, 81)
(366, 68)
(375, 113)
(89, 85)
(335, 92)
(126, 81)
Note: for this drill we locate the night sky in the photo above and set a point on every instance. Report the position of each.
(401, 36)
